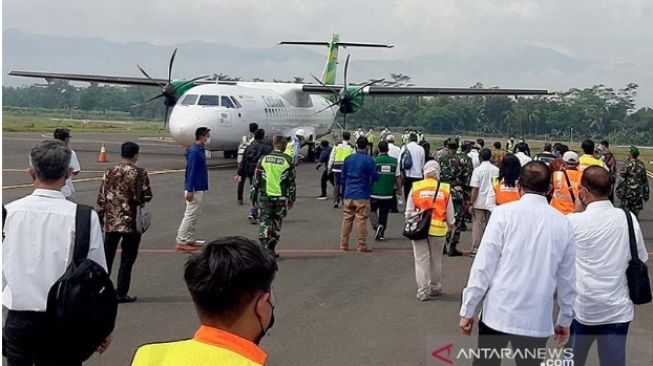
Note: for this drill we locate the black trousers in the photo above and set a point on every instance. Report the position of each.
(241, 187)
(379, 212)
(26, 340)
(326, 177)
(408, 185)
(489, 338)
(130, 243)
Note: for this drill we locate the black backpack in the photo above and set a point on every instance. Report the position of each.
(82, 304)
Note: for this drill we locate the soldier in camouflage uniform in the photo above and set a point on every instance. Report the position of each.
(456, 169)
(633, 190)
(274, 187)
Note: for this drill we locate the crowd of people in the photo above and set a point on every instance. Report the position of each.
(541, 225)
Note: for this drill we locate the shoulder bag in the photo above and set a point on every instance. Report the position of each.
(639, 285)
(417, 226)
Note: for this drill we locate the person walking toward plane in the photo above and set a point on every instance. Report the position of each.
(510, 145)
(505, 185)
(338, 155)
(546, 156)
(611, 162)
(521, 154)
(395, 152)
(497, 154)
(371, 140)
(124, 187)
(428, 252)
(63, 135)
(456, 170)
(358, 174)
(294, 144)
(480, 208)
(603, 309)
(247, 140)
(633, 190)
(383, 190)
(247, 167)
(411, 163)
(526, 259)
(588, 159)
(196, 184)
(323, 159)
(566, 184)
(274, 188)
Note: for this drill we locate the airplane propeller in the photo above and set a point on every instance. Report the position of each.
(344, 98)
(168, 91)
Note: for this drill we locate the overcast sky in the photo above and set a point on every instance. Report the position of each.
(614, 32)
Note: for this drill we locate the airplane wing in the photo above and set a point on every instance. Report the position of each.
(423, 91)
(104, 79)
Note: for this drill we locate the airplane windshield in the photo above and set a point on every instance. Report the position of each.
(189, 99)
(227, 103)
(209, 100)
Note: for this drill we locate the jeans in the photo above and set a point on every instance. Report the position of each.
(610, 338)
(494, 339)
(130, 243)
(26, 340)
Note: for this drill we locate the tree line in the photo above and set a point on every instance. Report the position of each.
(599, 111)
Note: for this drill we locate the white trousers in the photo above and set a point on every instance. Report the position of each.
(428, 264)
(186, 232)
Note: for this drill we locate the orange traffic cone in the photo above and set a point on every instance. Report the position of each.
(103, 155)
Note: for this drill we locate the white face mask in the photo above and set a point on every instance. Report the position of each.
(208, 140)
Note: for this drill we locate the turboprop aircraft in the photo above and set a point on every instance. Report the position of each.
(228, 107)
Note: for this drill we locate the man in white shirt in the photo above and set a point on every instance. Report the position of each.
(603, 309)
(521, 154)
(39, 239)
(473, 154)
(525, 257)
(418, 157)
(395, 152)
(480, 209)
(63, 134)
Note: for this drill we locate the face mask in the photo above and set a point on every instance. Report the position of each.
(208, 140)
(264, 330)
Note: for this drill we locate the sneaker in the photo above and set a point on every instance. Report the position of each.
(433, 292)
(364, 250)
(252, 219)
(122, 299)
(422, 296)
(335, 205)
(472, 253)
(197, 243)
(322, 198)
(379, 232)
(186, 248)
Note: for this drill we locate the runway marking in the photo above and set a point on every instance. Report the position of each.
(12, 170)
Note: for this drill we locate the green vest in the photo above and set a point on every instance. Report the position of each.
(386, 166)
(342, 153)
(275, 168)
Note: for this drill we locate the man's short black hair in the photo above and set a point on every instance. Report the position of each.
(564, 148)
(253, 127)
(453, 144)
(201, 132)
(547, 147)
(413, 137)
(521, 147)
(226, 276)
(605, 143)
(486, 154)
(61, 134)
(588, 146)
(259, 134)
(361, 143)
(129, 149)
(497, 145)
(557, 146)
(324, 143)
(535, 177)
(346, 136)
(597, 181)
(481, 142)
(383, 147)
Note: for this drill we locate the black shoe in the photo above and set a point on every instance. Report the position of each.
(240, 202)
(455, 253)
(122, 299)
(379, 233)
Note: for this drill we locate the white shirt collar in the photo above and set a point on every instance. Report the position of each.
(48, 193)
(599, 205)
(533, 198)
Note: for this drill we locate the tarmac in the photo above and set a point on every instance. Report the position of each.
(332, 307)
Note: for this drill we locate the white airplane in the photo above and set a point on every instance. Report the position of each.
(227, 108)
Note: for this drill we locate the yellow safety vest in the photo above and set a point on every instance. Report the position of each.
(586, 161)
(342, 153)
(423, 192)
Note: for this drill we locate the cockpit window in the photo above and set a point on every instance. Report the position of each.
(236, 102)
(209, 100)
(189, 99)
(227, 103)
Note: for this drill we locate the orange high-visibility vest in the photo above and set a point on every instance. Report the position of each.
(562, 200)
(423, 192)
(504, 193)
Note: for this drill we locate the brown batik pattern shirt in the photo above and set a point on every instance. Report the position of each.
(116, 201)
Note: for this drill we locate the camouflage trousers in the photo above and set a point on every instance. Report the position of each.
(633, 205)
(270, 221)
(453, 238)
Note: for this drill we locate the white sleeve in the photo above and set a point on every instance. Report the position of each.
(484, 265)
(96, 246)
(566, 281)
(410, 205)
(642, 252)
(451, 217)
(74, 162)
(332, 157)
(475, 182)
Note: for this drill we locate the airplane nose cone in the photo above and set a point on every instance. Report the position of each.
(180, 130)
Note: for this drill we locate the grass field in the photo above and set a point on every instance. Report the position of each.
(22, 123)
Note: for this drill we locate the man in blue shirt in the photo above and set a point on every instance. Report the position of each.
(197, 182)
(358, 174)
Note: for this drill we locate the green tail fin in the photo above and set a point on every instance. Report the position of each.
(329, 74)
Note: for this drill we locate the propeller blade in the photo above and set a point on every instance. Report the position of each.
(172, 60)
(148, 101)
(368, 112)
(148, 76)
(165, 120)
(373, 82)
(329, 106)
(346, 69)
(335, 91)
(188, 82)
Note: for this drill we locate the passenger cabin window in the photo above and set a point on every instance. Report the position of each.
(189, 99)
(236, 102)
(209, 100)
(227, 103)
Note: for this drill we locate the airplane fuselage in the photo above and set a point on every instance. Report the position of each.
(278, 108)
